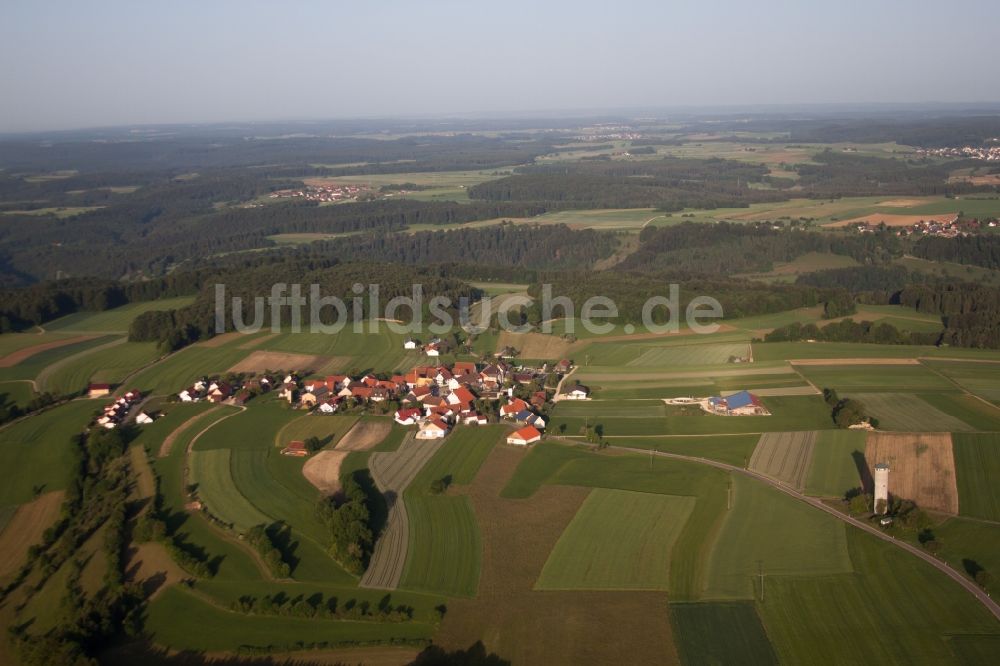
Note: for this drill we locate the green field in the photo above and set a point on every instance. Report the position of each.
(709, 634)
(780, 351)
(618, 540)
(907, 412)
(982, 379)
(229, 560)
(254, 427)
(973, 411)
(180, 369)
(963, 540)
(11, 342)
(642, 354)
(34, 365)
(845, 378)
(732, 449)
(977, 468)
(212, 474)
(117, 320)
(893, 609)
(542, 462)
(180, 620)
(444, 549)
(329, 429)
(355, 353)
(787, 539)
(109, 365)
(38, 451)
(833, 471)
(17, 393)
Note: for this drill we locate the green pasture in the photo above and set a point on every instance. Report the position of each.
(833, 471)
(963, 542)
(618, 540)
(977, 413)
(948, 269)
(212, 474)
(182, 368)
(444, 549)
(846, 378)
(708, 634)
(229, 560)
(908, 412)
(768, 529)
(181, 620)
(376, 351)
(732, 449)
(38, 451)
(17, 393)
(34, 365)
(780, 351)
(892, 609)
(328, 428)
(977, 468)
(12, 342)
(108, 365)
(982, 379)
(116, 320)
(543, 460)
(254, 427)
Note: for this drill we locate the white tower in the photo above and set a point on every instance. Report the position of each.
(881, 488)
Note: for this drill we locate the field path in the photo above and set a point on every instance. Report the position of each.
(976, 591)
(393, 472)
(168, 441)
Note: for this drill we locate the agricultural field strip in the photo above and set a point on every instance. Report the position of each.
(42, 379)
(984, 598)
(392, 473)
(786, 456)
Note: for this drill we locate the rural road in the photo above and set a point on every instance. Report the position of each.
(973, 589)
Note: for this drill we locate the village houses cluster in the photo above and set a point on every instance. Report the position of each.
(946, 226)
(115, 413)
(986, 153)
(435, 398)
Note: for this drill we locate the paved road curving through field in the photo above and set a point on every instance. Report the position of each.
(973, 589)
(393, 473)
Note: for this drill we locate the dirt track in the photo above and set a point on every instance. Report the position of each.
(168, 441)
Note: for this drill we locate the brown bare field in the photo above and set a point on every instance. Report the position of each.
(323, 470)
(893, 220)
(921, 467)
(149, 565)
(534, 345)
(220, 340)
(258, 341)
(364, 435)
(854, 361)
(259, 361)
(16, 357)
(25, 529)
(527, 626)
(168, 441)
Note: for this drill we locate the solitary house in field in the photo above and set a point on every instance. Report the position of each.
(524, 436)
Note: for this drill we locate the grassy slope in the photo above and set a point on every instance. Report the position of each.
(109, 365)
(117, 320)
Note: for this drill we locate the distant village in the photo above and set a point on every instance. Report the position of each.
(988, 154)
(941, 226)
(324, 193)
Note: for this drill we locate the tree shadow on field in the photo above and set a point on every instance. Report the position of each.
(280, 535)
(864, 473)
(475, 655)
(378, 504)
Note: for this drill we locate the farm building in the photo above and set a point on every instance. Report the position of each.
(410, 343)
(143, 418)
(98, 390)
(743, 403)
(524, 436)
(296, 448)
(578, 392)
(407, 416)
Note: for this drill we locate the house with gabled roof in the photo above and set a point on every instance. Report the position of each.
(524, 436)
(433, 428)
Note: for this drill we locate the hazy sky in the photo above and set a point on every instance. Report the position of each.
(99, 62)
